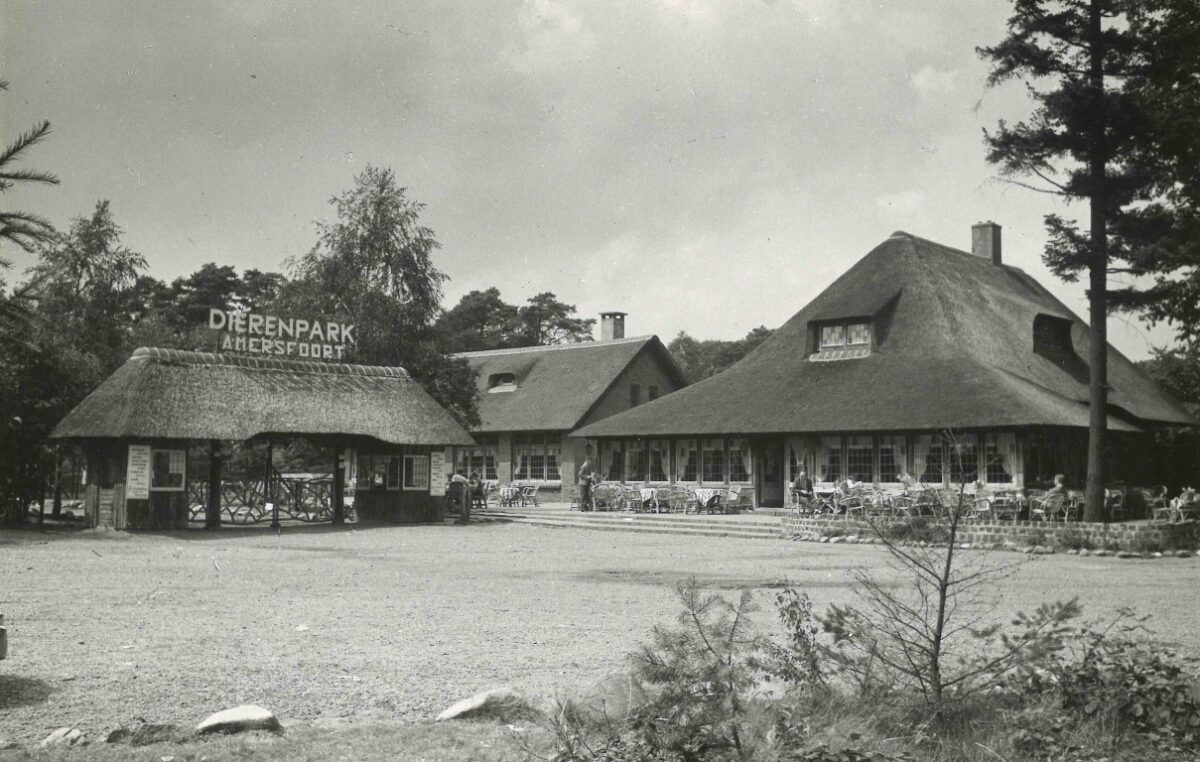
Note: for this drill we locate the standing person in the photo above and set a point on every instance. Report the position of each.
(585, 485)
(475, 487)
(462, 493)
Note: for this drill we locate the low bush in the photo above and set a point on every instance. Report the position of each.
(1073, 539)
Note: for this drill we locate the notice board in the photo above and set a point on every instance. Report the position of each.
(137, 473)
(437, 473)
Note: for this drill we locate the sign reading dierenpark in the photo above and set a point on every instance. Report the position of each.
(271, 335)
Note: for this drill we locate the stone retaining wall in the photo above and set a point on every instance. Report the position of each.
(1138, 538)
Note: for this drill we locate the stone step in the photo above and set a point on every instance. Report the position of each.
(680, 528)
(744, 521)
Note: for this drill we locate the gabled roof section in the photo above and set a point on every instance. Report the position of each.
(953, 348)
(556, 385)
(172, 394)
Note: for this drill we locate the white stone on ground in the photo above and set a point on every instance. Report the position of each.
(67, 736)
(239, 719)
(469, 707)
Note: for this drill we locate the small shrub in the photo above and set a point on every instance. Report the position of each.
(1074, 539)
(1136, 684)
(1038, 537)
(1182, 536)
(834, 532)
(1146, 544)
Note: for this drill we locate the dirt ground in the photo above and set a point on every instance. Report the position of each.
(395, 623)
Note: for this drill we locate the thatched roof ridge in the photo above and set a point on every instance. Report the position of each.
(172, 394)
(268, 363)
(953, 349)
(557, 385)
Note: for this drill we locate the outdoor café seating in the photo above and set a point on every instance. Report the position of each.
(1049, 507)
(510, 494)
(529, 495)
(737, 499)
(708, 500)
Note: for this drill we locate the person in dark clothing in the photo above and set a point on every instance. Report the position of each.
(585, 485)
(802, 489)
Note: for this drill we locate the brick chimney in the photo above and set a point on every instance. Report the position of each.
(985, 241)
(612, 325)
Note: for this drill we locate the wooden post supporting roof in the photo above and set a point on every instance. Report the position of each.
(339, 516)
(212, 514)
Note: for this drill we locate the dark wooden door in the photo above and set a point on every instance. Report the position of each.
(770, 473)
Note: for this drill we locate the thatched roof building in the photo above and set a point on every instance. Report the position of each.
(914, 341)
(532, 398)
(557, 386)
(958, 342)
(172, 394)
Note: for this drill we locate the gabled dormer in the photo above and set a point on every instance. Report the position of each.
(840, 339)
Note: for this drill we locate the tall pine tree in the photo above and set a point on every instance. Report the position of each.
(1091, 137)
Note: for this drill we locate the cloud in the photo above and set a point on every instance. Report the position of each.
(553, 36)
(931, 83)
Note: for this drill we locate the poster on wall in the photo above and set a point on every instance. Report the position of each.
(137, 473)
(437, 473)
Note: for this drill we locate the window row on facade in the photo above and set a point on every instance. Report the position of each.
(928, 458)
(535, 456)
(726, 460)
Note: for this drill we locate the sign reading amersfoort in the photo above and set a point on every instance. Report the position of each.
(271, 335)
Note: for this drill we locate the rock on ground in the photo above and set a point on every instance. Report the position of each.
(239, 719)
(498, 702)
(67, 736)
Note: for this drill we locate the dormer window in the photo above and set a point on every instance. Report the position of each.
(843, 340)
(1052, 335)
(502, 382)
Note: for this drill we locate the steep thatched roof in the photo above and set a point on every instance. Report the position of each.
(556, 385)
(953, 348)
(171, 394)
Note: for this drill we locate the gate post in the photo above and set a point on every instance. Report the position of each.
(268, 486)
(212, 514)
(339, 517)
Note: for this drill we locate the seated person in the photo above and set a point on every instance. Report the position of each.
(803, 486)
(1058, 488)
(908, 482)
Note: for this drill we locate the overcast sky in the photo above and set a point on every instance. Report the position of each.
(704, 166)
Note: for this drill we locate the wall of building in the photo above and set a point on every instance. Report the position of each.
(646, 370)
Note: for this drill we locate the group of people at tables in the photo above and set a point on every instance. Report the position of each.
(850, 494)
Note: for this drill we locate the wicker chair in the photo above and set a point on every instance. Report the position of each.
(662, 499)
(529, 495)
(1160, 508)
(682, 500)
(606, 496)
(1114, 503)
(1048, 508)
(738, 499)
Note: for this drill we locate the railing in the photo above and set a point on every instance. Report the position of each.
(244, 501)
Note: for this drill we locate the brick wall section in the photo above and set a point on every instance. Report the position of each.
(1131, 537)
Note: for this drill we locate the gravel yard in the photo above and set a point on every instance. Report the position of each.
(396, 623)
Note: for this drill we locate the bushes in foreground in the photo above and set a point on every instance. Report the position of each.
(715, 689)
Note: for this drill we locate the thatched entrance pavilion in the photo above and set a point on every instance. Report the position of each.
(137, 427)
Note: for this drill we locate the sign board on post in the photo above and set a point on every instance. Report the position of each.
(137, 473)
(437, 473)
